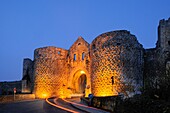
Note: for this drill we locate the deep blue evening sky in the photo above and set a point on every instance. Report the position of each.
(29, 24)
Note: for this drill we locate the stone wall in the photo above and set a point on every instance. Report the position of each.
(116, 64)
(79, 54)
(27, 77)
(18, 97)
(164, 35)
(109, 103)
(50, 71)
(79, 64)
(151, 64)
(163, 44)
(157, 58)
(57, 71)
(6, 88)
(28, 68)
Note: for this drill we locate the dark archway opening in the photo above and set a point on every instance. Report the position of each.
(82, 80)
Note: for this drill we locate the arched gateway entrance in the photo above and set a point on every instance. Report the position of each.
(80, 82)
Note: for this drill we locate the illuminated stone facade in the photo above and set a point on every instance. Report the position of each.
(111, 64)
(50, 71)
(59, 72)
(117, 65)
(114, 63)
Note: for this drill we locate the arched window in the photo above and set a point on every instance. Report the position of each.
(59, 52)
(93, 46)
(74, 57)
(83, 56)
(79, 43)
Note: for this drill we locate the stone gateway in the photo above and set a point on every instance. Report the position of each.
(114, 63)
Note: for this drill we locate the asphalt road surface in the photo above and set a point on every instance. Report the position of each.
(36, 106)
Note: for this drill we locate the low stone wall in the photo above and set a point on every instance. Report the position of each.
(18, 97)
(6, 88)
(107, 103)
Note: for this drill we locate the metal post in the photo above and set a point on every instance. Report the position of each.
(14, 93)
(14, 96)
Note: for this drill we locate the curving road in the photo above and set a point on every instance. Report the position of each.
(35, 106)
(55, 105)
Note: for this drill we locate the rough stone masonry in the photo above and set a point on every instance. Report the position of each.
(114, 63)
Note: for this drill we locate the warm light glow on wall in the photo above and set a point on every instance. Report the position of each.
(107, 92)
(44, 95)
(43, 86)
(82, 72)
(106, 72)
(53, 76)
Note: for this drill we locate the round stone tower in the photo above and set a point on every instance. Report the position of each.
(50, 71)
(116, 64)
